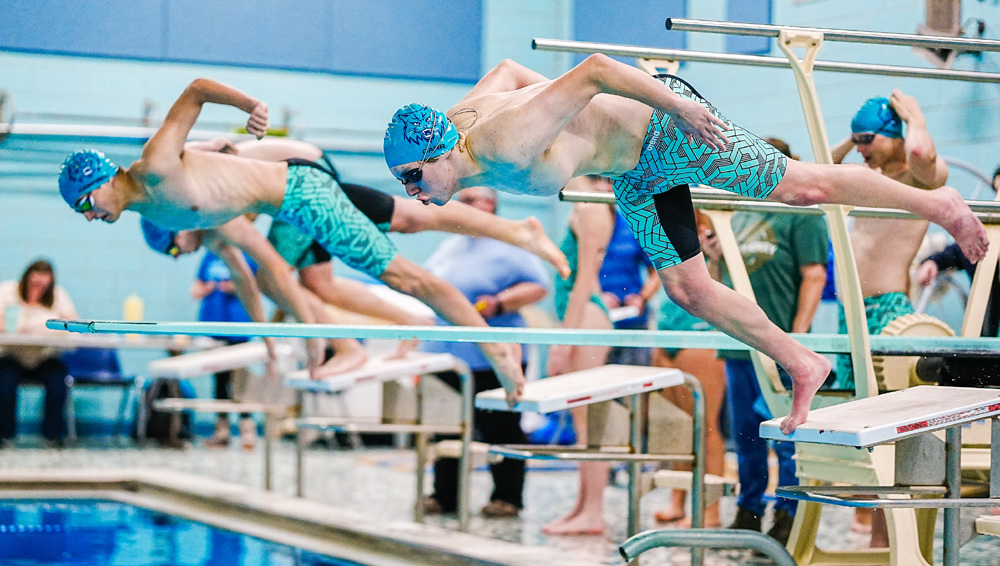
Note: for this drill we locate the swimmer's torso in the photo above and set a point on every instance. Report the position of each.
(207, 189)
(605, 137)
(884, 248)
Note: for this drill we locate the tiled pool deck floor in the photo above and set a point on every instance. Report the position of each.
(378, 482)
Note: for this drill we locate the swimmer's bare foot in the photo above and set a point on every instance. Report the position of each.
(534, 240)
(671, 514)
(805, 383)
(577, 525)
(343, 360)
(506, 362)
(711, 522)
(959, 220)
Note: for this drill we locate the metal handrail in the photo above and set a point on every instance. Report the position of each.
(567, 46)
(705, 538)
(714, 199)
(847, 36)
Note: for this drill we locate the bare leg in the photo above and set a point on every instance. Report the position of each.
(587, 516)
(880, 530)
(353, 296)
(348, 353)
(688, 284)
(410, 216)
(862, 522)
(711, 371)
(857, 185)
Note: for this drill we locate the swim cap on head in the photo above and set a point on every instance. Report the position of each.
(83, 171)
(417, 133)
(877, 116)
(159, 239)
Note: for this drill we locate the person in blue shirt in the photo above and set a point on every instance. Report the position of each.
(499, 279)
(628, 279)
(214, 287)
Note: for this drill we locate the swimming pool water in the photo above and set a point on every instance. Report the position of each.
(109, 533)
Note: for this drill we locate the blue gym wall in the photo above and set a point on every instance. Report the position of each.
(333, 72)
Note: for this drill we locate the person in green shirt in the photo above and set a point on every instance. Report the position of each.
(785, 256)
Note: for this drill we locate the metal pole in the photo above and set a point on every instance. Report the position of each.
(637, 404)
(568, 46)
(465, 460)
(714, 199)
(268, 431)
(421, 450)
(995, 457)
(299, 449)
(698, 469)
(953, 477)
(846, 36)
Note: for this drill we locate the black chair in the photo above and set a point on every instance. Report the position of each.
(97, 367)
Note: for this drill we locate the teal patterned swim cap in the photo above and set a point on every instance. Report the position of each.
(876, 116)
(417, 133)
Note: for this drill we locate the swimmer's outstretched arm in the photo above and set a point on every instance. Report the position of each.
(244, 283)
(537, 122)
(406, 277)
(170, 138)
(274, 275)
(506, 76)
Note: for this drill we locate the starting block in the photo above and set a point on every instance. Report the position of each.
(428, 409)
(209, 361)
(225, 358)
(924, 479)
(596, 386)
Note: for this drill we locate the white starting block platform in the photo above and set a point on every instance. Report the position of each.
(906, 418)
(598, 385)
(988, 525)
(891, 416)
(270, 412)
(223, 358)
(209, 361)
(580, 388)
(401, 413)
(376, 370)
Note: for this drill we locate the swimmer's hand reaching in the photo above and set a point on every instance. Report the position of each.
(697, 122)
(271, 366)
(258, 121)
(315, 351)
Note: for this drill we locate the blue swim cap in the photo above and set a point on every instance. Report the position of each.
(159, 239)
(417, 133)
(83, 171)
(876, 116)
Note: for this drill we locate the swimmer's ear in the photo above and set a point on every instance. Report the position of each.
(461, 142)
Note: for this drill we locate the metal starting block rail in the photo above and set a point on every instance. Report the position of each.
(905, 418)
(823, 343)
(383, 370)
(607, 383)
(224, 358)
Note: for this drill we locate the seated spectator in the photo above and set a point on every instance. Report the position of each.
(26, 305)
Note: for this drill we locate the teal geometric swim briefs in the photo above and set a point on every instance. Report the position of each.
(665, 226)
(315, 204)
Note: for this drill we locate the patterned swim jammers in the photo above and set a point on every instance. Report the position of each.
(651, 196)
(316, 205)
(880, 310)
